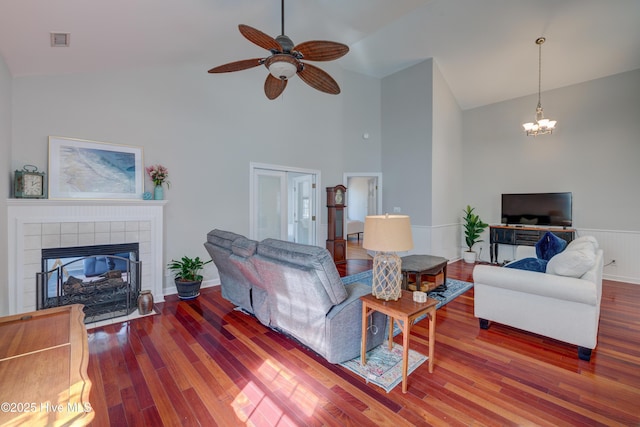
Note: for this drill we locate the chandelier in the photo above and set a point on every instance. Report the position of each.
(541, 126)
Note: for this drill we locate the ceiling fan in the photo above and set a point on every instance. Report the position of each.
(285, 61)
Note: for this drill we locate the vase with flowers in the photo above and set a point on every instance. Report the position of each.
(158, 175)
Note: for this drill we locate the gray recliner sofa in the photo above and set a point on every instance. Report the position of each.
(296, 289)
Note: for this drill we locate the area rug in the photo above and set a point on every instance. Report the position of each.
(455, 288)
(384, 366)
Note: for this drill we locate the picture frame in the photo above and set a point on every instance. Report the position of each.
(82, 169)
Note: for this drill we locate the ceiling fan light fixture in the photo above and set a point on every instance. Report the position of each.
(282, 66)
(282, 70)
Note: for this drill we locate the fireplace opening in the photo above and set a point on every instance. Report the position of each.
(104, 278)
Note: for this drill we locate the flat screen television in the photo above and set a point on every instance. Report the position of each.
(549, 209)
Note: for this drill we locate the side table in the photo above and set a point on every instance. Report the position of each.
(404, 312)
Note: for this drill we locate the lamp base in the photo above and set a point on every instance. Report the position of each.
(387, 276)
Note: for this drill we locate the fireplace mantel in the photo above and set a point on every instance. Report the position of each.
(37, 224)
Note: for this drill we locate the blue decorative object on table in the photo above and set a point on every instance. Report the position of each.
(147, 195)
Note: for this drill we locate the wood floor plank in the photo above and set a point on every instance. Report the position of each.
(203, 363)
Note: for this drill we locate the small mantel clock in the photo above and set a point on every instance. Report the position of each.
(336, 243)
(29, 183)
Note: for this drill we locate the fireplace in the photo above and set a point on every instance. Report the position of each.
(35, 225)
(106, 279)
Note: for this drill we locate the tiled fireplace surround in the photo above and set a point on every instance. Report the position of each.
(37, 224)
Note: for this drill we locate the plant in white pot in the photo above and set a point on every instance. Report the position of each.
(473, 228)
(187, 276)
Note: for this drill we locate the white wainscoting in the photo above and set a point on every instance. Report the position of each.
(622, 246)
(37, 224)
(619, 245)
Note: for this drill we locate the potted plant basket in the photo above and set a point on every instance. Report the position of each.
(187, 276)
(473, 228)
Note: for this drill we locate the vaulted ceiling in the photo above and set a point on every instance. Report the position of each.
(484, 48)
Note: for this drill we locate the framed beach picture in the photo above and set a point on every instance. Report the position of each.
(80, 169)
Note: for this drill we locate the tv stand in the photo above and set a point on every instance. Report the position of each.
(522, 235)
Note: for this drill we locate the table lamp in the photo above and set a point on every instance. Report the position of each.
(387, 234)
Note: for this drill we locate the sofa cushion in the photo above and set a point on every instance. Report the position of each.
(222, 238)
(572, 263)
(244, 247)
(308, 257)
(529, 264)
(549, 245)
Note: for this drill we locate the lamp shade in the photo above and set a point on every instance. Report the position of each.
(387, 233)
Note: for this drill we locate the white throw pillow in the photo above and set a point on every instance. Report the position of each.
(581, 242)
(572, 263)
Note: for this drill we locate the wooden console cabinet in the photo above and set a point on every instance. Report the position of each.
(526, 236)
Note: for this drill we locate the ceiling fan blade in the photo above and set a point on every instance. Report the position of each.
(259, 38)
(237, 66)
(320, 50)
(319, 79)
(273, 87)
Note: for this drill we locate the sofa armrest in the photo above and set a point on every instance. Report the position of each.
(344, 326)
(543, 284)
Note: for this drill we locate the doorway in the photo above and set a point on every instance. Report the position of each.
(364, 197)
(283, 203)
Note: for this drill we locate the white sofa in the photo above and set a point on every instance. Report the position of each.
(553, 304)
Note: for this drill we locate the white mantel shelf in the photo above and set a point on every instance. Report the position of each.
(85, 202)
(34, 224)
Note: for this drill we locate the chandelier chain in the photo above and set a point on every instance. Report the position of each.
(539, 72)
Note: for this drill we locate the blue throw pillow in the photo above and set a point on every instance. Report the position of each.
(529, 264)
(549, 245)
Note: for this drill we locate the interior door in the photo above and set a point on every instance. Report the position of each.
(270, 202)
(303, 187)
(284, 204)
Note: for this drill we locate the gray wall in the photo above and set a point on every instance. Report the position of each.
(5, 174)
(594, 153)
(407, 114)
(205, 129)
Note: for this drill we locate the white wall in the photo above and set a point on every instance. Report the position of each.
(594, 153)
(205, 129)
(5, 178)
(446, 174)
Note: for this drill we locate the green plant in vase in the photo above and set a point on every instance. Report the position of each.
(187, 276)
(473, 228)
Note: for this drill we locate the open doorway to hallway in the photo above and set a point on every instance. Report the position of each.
(364, 197)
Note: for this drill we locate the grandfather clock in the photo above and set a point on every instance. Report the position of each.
(336, 244)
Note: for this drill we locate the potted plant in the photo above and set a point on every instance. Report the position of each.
(473, 228)
(187, 276)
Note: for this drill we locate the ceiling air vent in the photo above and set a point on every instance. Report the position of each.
(60, 39)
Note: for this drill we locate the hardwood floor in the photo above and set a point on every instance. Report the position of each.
(202, 363)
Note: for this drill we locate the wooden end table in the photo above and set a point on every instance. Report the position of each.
(404, 311)
(43, 368)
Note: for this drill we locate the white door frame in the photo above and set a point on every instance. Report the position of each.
(253, 166)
